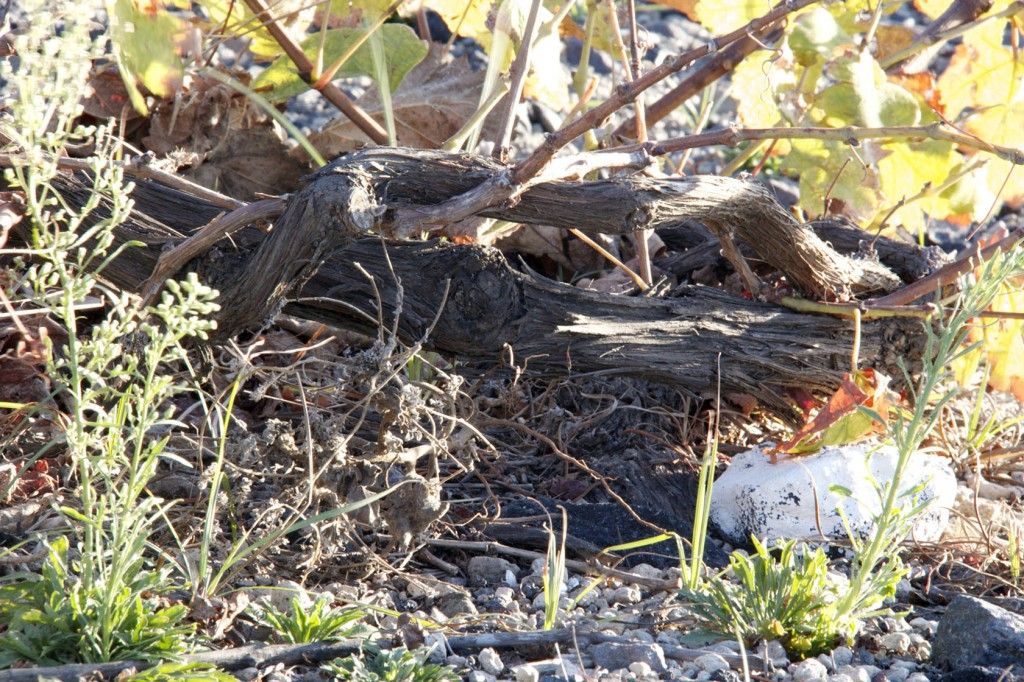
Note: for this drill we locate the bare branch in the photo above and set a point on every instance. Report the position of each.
(330, 91)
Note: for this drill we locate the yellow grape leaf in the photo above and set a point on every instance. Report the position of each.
(1000, 343)
(144, 38)
(1002, 125)
(907, 168)
(722, 16)
(841, 420)
(1004, 342)
(232, 17)
(755, 86)
(932, 8)
(468, 19)
(352, 12)
(982, 72)
(549, 80)
(829, 169)
(687, 7)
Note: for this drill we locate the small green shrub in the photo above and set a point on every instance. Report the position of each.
(180, 672)
(54, 617)
(319, 623)
(396, 665)
(785, 594)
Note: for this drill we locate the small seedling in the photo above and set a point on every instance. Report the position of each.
(396, 665)
(319, 622)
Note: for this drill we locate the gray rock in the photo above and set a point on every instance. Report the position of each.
(627, 594)
(489, 570)
(897, 674)
(455, 604)
(973, 632)
(709, 663)
(842, 655)
(811, 670)
(617, 656)
(480, 676)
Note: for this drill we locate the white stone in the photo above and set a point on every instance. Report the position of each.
(640, 669)
(480, 676)
(854, 672)
(811, 670)
(916, 677)
(527, 673)
(490, 661)
(786, 500)
(896, 642)
(711, 663)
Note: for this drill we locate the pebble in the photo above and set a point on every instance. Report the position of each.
(896, 642)
(247, 674)
(480, 676)
(526, 673)
(709, 663)
(491, 570)
(627, 594)
(854, 673)
(916, 677)
(842, 655)
(647, 571)
(619, 656)
(897, 674)
(490, 661)
(640, 668)
(811, 670)
(455, 604)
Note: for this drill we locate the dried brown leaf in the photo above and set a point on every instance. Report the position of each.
(432, 103)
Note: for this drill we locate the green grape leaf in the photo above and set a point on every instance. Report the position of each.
(404, 50)
(814, 35)
(144, 42)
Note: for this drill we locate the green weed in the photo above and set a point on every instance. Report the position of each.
(319, 622)
(396, 665)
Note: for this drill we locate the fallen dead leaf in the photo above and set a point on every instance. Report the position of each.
(434, 100)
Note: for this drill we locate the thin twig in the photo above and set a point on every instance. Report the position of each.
(627, 93)
(170, 262)
(643, 251)
(959, 18)
(330, 91)
(517, 75)
(948, 274)
(935, 131)
(699, 77)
